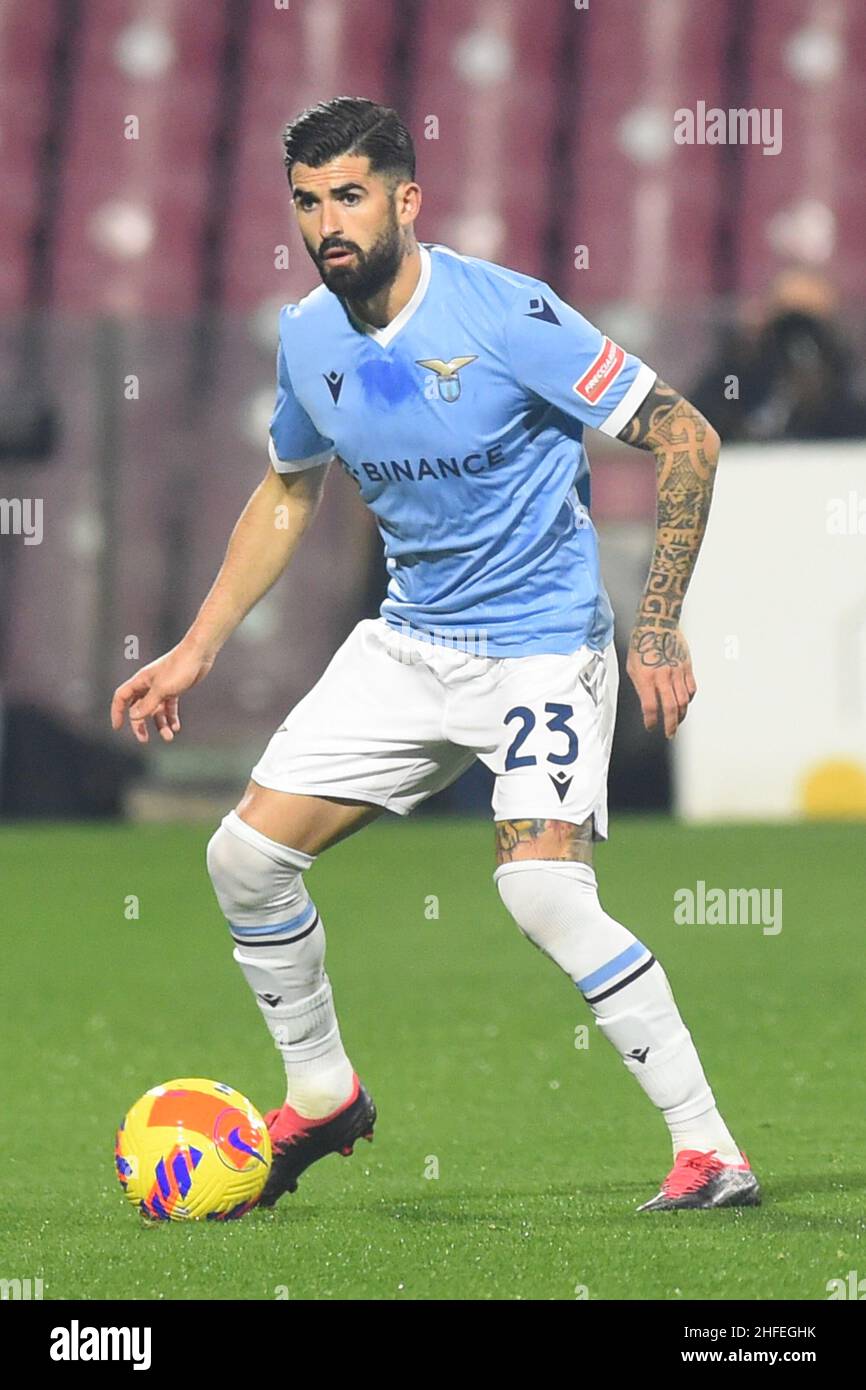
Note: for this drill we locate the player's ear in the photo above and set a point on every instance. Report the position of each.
(407, 201)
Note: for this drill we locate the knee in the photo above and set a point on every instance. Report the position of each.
(237, 871)
(249, 872)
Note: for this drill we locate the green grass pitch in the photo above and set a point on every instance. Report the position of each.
(465, 1036)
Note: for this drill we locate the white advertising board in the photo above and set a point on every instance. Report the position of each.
(776, 622)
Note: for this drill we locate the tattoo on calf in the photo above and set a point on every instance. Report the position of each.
(544, 839)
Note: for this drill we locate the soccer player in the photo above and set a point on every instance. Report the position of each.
(455, 393)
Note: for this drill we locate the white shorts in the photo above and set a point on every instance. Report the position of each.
(394, 719)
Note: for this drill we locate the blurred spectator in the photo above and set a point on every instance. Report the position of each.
(795, 373)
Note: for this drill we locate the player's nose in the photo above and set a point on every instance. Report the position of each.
(329, 224)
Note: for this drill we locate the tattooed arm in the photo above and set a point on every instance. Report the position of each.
(686, 450)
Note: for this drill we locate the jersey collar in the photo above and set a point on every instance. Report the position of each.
(383, 336)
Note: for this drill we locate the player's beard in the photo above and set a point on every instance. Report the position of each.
(372, 269)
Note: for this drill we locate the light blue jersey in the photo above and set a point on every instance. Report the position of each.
(462, 423)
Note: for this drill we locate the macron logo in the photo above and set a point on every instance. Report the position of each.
(602, 373)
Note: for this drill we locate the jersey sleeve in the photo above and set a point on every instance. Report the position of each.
(294, 442)
(563, 358)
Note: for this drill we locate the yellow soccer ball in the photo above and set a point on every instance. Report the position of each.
(191, 1150)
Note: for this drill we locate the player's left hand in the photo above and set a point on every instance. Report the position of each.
(660, 666)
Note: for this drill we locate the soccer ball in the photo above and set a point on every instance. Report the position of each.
(193, 1149)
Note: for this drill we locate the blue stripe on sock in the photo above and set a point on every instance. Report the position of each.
(303, 919)
(613, 967)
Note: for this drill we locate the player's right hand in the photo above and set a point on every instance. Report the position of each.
(152, 693)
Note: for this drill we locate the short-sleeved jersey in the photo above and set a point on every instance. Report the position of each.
(462, 423)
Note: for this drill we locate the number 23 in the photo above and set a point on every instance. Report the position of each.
(557, 725)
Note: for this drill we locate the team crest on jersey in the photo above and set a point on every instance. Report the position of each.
(602, 373)
(449, 381)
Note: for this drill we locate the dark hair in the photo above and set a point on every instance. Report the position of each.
(350, 125)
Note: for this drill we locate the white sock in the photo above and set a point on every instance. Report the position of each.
(280, 947)
(303, 1025)
(556, 905)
